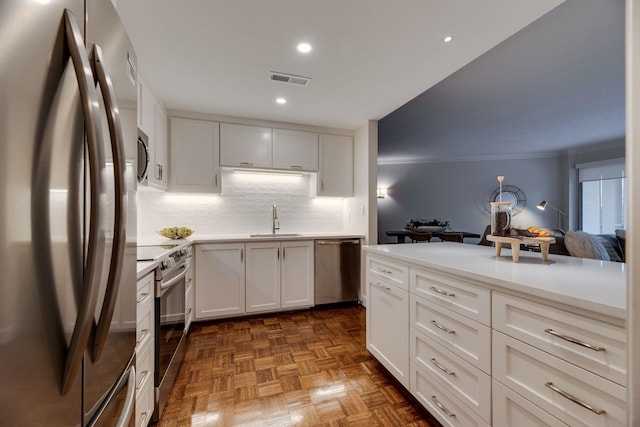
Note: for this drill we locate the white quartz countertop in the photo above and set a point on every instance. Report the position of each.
(224, 238)
(598, 286)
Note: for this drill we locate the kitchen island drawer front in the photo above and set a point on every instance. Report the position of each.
(510, 409)
(144, 365)
(470, 384)
(591, 344)
(453, 293)
(145, 291)
(389, 270)
(465, 337)
(144, 403)
(441, 403)
(571, 394)
(144, 328)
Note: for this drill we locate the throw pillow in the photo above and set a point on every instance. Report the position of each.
(584, 245)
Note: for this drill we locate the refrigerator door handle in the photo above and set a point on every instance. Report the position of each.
(95, 251)
(127, 410)
(103, 78)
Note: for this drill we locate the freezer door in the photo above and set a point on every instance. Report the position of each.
(113, 336)
(41, 250)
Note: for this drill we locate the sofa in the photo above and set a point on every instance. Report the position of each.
(606, 247)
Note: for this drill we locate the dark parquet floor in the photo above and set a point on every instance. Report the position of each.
(303, 368)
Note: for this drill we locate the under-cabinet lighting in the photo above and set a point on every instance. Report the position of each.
(259, 172)
(281, 101)
(448, 39)
(304, 47)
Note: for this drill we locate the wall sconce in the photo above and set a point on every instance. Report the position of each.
(382, 192)
(544, 204)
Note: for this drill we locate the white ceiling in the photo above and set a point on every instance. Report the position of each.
(369, 56)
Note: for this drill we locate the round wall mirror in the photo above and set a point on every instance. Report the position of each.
(510, 193)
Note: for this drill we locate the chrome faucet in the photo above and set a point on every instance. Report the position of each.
(275, 225)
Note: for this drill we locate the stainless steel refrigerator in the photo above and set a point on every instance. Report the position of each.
(67, 215)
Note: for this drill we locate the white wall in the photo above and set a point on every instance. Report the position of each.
(244, 207)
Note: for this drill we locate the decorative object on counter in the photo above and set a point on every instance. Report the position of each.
(175, 232)
(500, 214)
(427, 225)
(515, 243)
(544, 204)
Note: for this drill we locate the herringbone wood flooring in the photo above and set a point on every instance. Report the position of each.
(303, 368)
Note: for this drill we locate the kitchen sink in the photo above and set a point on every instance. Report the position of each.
(274, 235)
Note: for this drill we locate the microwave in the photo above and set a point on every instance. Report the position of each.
(143, 156)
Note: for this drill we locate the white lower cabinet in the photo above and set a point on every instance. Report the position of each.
(511, 409)
(219, 277)
(442, 402)
(297, 274)
(144, 350)
(388, 326)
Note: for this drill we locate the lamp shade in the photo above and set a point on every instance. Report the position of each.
(542, 205)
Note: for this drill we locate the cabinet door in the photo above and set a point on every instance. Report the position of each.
(297, 274)
(295, 150)
(388, 327)
(263, 276)
(195, 148)
(245, 146)
(219, 280)
(335, 174)
(159, 147)
(146, 109)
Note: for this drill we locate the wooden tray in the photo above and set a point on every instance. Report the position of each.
(515, 243)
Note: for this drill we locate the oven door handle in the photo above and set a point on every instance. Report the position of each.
(164, 286)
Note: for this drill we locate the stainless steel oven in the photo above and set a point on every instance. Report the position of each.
(169, 323)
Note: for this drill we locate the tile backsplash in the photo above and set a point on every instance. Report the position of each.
(244, 207)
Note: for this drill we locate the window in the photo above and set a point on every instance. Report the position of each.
(602, 196)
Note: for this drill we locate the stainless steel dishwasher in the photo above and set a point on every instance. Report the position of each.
(337, 276)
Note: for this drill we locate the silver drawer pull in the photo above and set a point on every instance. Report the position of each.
(386, 288)
(142, 297)
(442, 408)
(143, 333)
(246, 164)
(575, 399)
(442, 368)
(440, 291)
(574, 340)
(443, 328)
(142, 378)
(384, 271)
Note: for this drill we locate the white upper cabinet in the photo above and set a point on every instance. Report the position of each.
(159, 147)
(335, 174)
(146, 108)
(295, 150)
(245, 146)
(195, 163)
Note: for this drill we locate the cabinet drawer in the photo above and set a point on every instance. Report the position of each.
(510, 409)
(455, 294)
(560, 388)
(144, 365)
(144, 404)
(469, 383)
(440, 402)
(188, 306)
(390, 271)
(145, 289)
(144, 328)
(467, 338)
(591, 344)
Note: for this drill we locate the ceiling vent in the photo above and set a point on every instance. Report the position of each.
(291, 79)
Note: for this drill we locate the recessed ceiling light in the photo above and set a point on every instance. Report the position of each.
(304, 47)
(448, 39)
(281, 101)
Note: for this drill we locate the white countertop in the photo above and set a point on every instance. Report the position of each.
(598, 286)
(144, 267)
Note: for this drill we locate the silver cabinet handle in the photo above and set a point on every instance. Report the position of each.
(341, 242)
(296, 167)
(442, 408)
(143, 377)
(322, 185)
(442, 368)
(95, 246)
(241, 256)
(249, 164)
(574, 340)
(386, 288)
(283, 253)
(159, 171)
(383, 270)
(440, 291)
(575, 399)
(278, 253)
(189, 311)
(215, 180)
(443, 328)
(103, 78)
(143, 297)
(143, 334)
